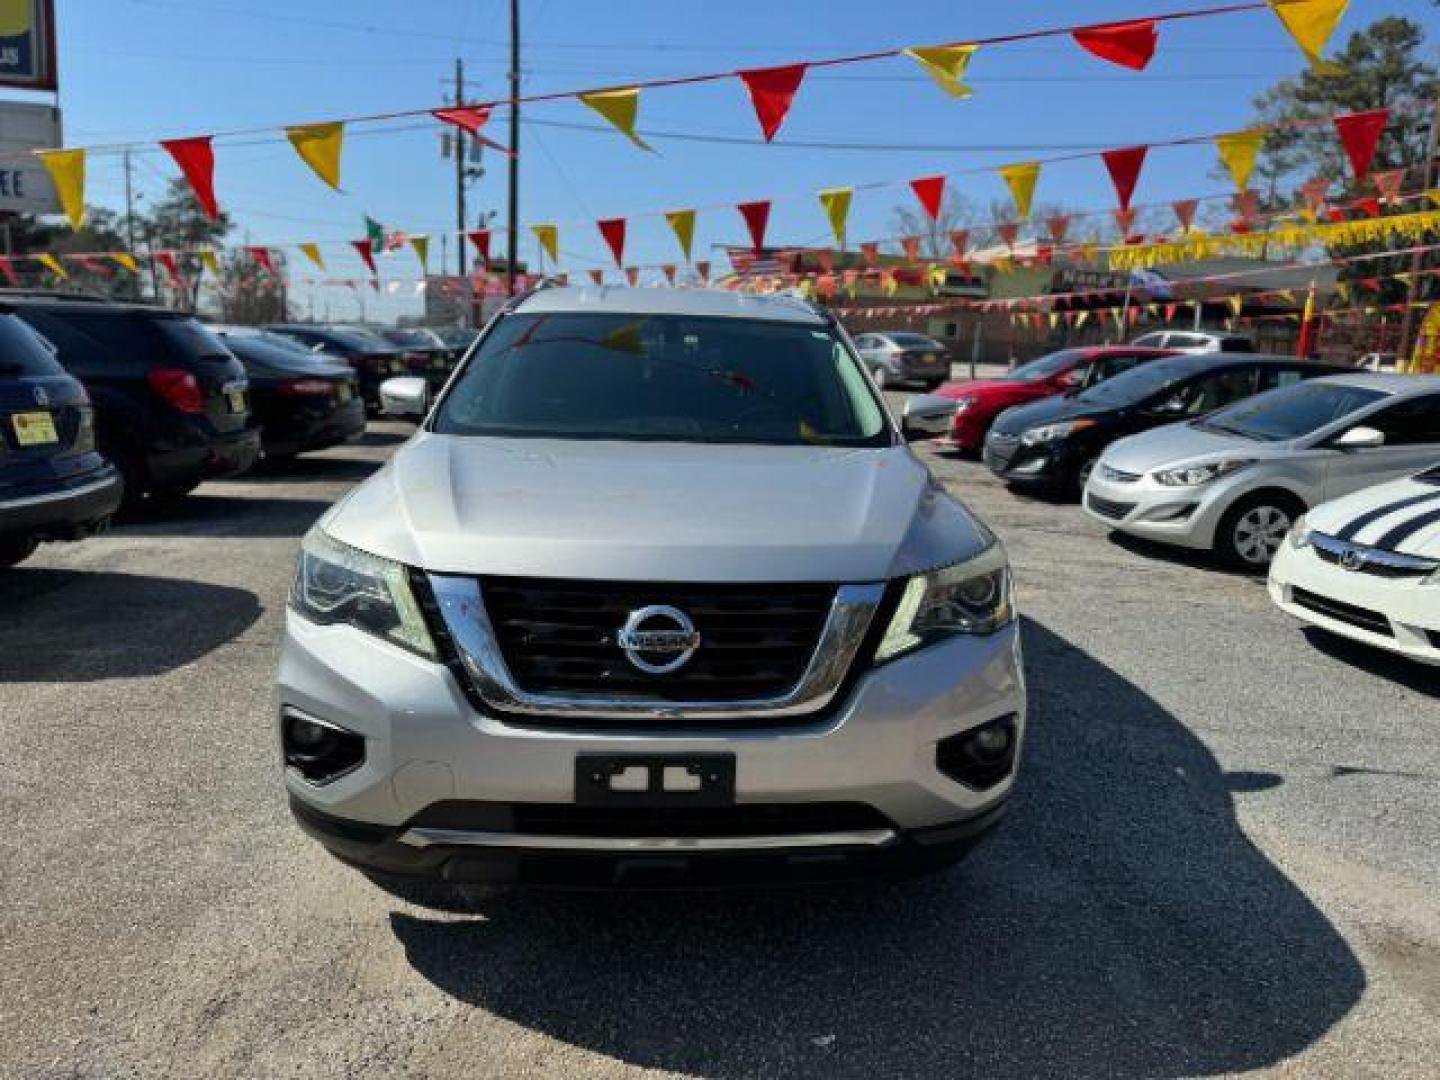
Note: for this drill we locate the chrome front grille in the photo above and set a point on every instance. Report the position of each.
(1369, 560)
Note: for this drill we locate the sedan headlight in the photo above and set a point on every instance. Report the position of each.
(1195, 475)
(1300, 534)
(339, 584)
(968, 598)
(1054, 432)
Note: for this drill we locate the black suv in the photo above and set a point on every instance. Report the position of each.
(171, 407)
(53, 483)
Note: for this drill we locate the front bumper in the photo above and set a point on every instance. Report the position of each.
(1186, 517)
(426, 746)
(1401, 615)
(1048, 465)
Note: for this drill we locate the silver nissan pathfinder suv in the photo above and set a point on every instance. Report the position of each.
(657, 595)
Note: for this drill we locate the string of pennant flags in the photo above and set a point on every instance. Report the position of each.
(1131, 45)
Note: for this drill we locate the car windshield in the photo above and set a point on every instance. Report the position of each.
(1046, 366)
(664, 377)
(415, 338)
(1137, 384)
(913, 341)
(1290, 412)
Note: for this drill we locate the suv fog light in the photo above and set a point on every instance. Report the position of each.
(982, 757)
(319, 751)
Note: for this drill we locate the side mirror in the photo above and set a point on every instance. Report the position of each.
(1361, 438)
(405, 395)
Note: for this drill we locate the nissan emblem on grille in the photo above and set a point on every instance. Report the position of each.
(658, 631)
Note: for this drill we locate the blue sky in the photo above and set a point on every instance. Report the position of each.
(149, 69)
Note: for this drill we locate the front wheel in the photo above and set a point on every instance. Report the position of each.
(16, 550)
(1252, 530)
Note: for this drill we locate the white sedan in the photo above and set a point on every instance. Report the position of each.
(1367, 567)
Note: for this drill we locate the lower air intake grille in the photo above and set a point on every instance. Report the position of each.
(1116, 511)
(1364, 618)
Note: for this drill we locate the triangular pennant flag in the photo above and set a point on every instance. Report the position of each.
(702, 268)
(621, 108)
(67, 170)
(613, 230)
(376, 232)
(1185, 212)
(549, 237)
(772, 91)
(312, 252)
(1081, 319)
(125, 259)
(836, 202)
(1124, 167)
(1239, 151)
(1315, 192)
(930, 190)
(1125, 221)
(668, 269)
(1311, 23)
(1021, 180)
(911, 247)
(1059, 227)
(757, 217)
(682, 223)
(210, 260)
(52, 264)
(1247, 204)
(632, 276)
(597, 275)
(1360, 135)
(470, 119)
(1170, 310)
(366, 250)
(1389, 183)
(261, 256)
(946, 64)
(1129, 44)
(421, 245)
(960, 241)
(481, 239)
(319, 147)
(1009, 232)
(871, 252)
(826, 258)
(196, 158)
(167, 262)
(7, 267)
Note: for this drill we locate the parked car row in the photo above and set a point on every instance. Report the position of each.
(105, 406)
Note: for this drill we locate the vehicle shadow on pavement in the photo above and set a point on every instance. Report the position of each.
(1119, 924)
(205, 514)
(1421, 678)
(74, 626)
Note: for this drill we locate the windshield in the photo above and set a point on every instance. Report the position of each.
(1290, 412)
(1046, 366)
(671, 377)
(914, 341)
(1139, 383)
(415, 338)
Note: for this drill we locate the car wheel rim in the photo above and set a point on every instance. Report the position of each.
(1259, 533)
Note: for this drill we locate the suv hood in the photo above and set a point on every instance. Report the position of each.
(650, 511)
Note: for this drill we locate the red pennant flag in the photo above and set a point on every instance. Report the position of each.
(1170, 310)
(367, 253)
(613, 230)
(1240, 226)
(826, 259)
(1371, 207)
(470, 119)
(772, 91)
(1125, 219)
(1335, 214)
(167, 262)
(95, 266)
(930, 190)
(871, 251)
(911, 244)
(262, 259)
(1360, 134)
(1389, 183)
(1246, 204)
(597, 276)
(757, 217)
(1185, 212)
(703, 269)
(196, 159)
(668, 269)
(1059, 227)
(632, 275)
(960, 241)
(481, 239)
(1009, 232)
(1315, 192)
(1124, 166)
(1129, 44)
(7, 267)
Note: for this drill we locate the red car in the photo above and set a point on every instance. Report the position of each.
(971, 407)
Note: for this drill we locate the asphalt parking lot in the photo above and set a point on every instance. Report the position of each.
(1224, 854)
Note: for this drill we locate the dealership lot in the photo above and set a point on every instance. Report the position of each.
(1224, 854)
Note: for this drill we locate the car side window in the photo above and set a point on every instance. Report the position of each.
(1207, 393)
(1275, 378)
(1109, 366)
(1409, 423)
(864, 341)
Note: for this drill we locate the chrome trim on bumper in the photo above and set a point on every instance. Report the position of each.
(1369, 558)
(423, 837)
(463, 610)
(60, 496)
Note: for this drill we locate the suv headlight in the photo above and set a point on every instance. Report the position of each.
(339, 584)
(972, 597)
(1300, 534)
(1054, 432)
(1195, 475)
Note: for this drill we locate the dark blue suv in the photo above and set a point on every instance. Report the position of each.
(54, 485)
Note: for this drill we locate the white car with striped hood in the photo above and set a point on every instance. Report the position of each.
(1367, 567)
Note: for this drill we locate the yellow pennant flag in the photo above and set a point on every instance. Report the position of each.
(1237, 303)
(1311, 23)
(52, 264)
(421, 244)
(210, 259)
(1082, 319)
(319, 147)
(682, 222)
(946, 64)
(836, 202)
(67, 170)
(549, 237)
(312, 252)
(1239, 151)
(621, 108)
(890, 283)
(125, 259)
(1021, 180)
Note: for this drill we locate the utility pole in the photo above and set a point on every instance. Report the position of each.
(512, 247)
(1407, 324)
(459, 173)
(130, 222)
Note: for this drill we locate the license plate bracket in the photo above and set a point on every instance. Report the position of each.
(655, 779)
